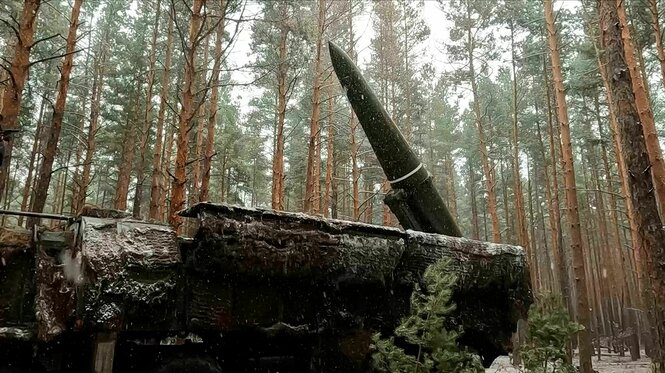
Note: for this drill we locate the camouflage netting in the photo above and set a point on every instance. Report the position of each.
(55, 292)
(320, 274)
(130, 274)
(255, 275)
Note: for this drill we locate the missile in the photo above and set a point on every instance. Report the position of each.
(413, 198)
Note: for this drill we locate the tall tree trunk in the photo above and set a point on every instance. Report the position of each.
(313, 178)
(127, 160)
(571, 196)
(78, 152)
(475, 224)
(127, 152)
(353, 126)
(369, 201)
(634, 145)
(147, 118)
(522, 231)
(97, 88)
(186, 116)
(158, 177)
(658, 36)
(552, 193)
(644, 110)
(44, 177)
(65, 178)
(355, 171)
(166, 167)
(278, 156)
(613, 247)
(28, 186)
(18, 73)
(636, 240)
(488, 167)
(201, 118)
(330, 159)
(76, 178)
(212, 118)
(450, 177)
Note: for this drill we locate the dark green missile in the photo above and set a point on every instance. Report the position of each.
(413, 198)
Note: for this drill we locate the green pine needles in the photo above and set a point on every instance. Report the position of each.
(436, 349)
(550, 329)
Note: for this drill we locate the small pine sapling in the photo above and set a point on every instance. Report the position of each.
(550, 329)
(436, 349)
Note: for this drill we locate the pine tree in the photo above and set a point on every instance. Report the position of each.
(187, 113)
(17, 75)
(44, 177)
(633, 142)
(425, 328)
(469, 37)
(579, 266)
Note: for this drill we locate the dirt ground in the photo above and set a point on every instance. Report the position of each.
(607, 364)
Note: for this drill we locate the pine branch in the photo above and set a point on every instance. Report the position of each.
(45, 39)
(14, 29)
(53, 57)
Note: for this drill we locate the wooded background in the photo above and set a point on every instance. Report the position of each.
(539, 122)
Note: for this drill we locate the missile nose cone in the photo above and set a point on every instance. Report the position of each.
(332, 47)
(340, 61)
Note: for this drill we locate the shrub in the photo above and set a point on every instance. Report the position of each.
(550, 329)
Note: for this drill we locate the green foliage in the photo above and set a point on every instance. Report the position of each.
(424, 328)
(550, 328)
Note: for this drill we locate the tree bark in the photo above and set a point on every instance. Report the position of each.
(44, 177)
(475, 224)
(643, 110)
(212, 118)
(634, 146)
(28, 186)
(522, 231)
(201, 118)
(488, 168)
(282, 90)
(313, 179)
(97, 89)
(18, 73)
(552, 191)
(583, 316)
(186, 115)
(166, 170)
(450, 179)
(331, 189)
(158, 177)
(658, 36)
(127, 160)
(353, 127)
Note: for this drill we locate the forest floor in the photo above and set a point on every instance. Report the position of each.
(607, 364)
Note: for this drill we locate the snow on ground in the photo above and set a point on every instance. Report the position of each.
(607, 364)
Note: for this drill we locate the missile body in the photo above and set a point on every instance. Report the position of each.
(413, 198)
